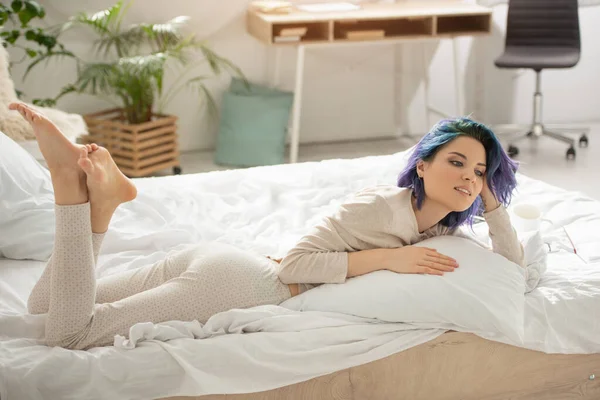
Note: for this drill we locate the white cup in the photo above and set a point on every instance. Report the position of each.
(527, 217)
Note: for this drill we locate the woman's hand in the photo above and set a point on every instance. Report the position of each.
(419, 260)
(490, 203)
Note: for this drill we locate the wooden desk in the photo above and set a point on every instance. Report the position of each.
(373, 23)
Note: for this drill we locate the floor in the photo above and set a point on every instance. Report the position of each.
(543, 159)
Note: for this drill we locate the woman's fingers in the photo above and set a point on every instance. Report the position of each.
(435, 265)
(433, 253)
(444, 261)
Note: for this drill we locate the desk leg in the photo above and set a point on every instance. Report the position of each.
(458, 85)
(426, 86)
(295, 139)
(275, 78)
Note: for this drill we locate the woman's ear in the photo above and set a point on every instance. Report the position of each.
(420, 168)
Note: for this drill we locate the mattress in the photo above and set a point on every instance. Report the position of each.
(266, 210)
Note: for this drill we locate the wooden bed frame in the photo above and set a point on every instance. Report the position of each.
(453, 366)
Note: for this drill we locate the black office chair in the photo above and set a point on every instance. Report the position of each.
(542, 34)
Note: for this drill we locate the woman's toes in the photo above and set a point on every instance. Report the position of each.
(17, 107)
(86, 165)
(84, 162)
(94, 146)
(25, 112)
(28, 115)
(89, 148)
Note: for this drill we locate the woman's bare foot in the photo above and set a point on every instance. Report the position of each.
(58, 151)
(61, 156)
(106, 184)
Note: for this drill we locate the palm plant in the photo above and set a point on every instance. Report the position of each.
(136, 60)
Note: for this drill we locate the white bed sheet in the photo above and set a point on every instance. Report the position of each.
(266, 210)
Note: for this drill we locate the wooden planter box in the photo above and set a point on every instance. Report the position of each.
(138, 149)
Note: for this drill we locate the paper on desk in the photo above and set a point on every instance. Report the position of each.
(585, 236)
(328, 7)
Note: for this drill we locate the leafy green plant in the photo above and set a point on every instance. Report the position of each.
(137, 57)
(38, 44)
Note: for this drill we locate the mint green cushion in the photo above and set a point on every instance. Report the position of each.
(253, 127)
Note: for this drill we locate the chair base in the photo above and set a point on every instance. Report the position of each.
(538, 130)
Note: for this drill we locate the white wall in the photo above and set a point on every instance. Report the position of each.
(349, 92)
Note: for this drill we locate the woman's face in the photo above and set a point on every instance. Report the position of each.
(454, 177)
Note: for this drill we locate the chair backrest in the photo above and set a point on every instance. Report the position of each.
(543, 23)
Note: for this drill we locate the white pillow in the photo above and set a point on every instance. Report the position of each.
(484, 294)
(26, 204)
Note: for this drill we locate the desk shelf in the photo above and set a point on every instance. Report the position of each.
(370, 23)
(300, 32)
(463, 24)
(379, 28)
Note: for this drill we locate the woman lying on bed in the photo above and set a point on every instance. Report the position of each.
(447, 173)
(457, 170)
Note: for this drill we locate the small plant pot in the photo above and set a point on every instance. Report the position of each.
(138, 149)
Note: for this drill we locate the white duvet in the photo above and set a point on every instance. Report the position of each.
(266, 210)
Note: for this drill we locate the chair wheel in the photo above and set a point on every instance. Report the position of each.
(513, 151)
(177, 170)
(583, 141)
(571, 153)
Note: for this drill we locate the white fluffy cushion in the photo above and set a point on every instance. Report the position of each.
(26, 204)
(15, 126)
(485, 294)
(11, 123)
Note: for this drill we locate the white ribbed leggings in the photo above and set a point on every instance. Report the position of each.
(191, 284)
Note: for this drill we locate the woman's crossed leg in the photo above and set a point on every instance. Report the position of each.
(88, 187)
(194, 283)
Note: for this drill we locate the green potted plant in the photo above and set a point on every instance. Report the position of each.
(18, 29)
(135, 60)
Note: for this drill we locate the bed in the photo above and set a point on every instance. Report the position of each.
(455, 365)
(266, 210)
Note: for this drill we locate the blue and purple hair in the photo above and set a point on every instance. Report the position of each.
(500, 170)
